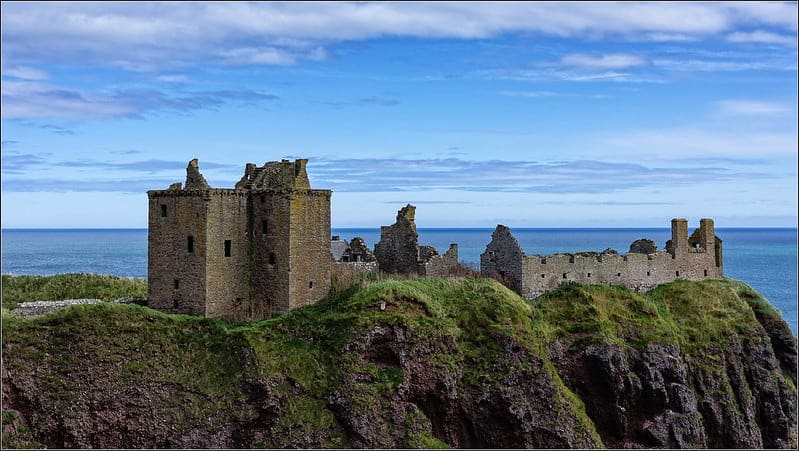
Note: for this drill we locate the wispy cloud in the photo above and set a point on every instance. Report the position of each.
(428, 202)
(380, 101)
(398, 175)
(560, 74)
(15, 162)
(25, 73)
(581, 176)
(608, 61)
(535, 94)
(752, 108)
(762, 37)
(178, 34)
(29, 100)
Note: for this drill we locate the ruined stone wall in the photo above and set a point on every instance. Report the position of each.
(397, 252)
(640, 272)
(228, 278)
(356, 268)
(169, 261)
(502, 258)
(309, 247)
(440, 265)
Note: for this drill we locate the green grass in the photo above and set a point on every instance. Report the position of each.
(16, 289)
(301, 354)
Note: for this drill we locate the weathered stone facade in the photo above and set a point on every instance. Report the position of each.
(260, 248)
(696, 258)
(398, 251)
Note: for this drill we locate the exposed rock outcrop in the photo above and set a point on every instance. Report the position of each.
(414, 363)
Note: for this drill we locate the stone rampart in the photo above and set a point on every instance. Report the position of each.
(533, 275)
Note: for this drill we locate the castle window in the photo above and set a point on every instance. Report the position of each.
(163, 210)
(589, 274)
(678, 273)
(227, 248)
(263, 199)
(177, 283)
(190, 244)
(618, 274)
(647, 273)
(564, 275)
(272, 258)
(544, 261)
(706, 273)
(310, 284)
(543, 275)
(264, 225)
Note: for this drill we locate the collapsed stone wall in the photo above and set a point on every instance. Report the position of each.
(438, 265)
(397, 252)
(532, 275)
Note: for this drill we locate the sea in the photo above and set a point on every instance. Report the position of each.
(764, 258)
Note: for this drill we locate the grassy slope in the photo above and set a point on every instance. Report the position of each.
(301, 350)
(18, 289)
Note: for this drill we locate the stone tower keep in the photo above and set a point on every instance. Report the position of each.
(260, 248)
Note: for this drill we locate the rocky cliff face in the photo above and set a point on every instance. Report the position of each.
(424, 363)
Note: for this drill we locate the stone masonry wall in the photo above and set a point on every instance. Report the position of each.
(532, 275)
(228, 277)
(397, 252)
(440, 265)
(169, 261)
(270, 230)
(310, 258)
(502, 258)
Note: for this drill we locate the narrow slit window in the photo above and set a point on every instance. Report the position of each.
(264, 225)
(227, 248)
(618, 274)
(272, 258)
(310, 284)
(706, 273)
(177, 284)
(564, 275)
(589, 274)
(163, 210)
(263, 199)
(190, 244)
(542, 276)
(678, 273)
(647, 273)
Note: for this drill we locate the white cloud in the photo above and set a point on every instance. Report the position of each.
(530, 93)
(752, 108)
(610, 61)
(184, 33)
(668, 144)
(173, 78)
(762, 37)
(25, 73)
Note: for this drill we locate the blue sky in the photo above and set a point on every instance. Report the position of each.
(526, 114)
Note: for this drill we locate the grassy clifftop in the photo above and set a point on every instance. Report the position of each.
(408, 363)
(18, 289)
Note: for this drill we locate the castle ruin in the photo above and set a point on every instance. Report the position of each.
(697, 257)
(399, 252)
(264, 247)
(259, 248)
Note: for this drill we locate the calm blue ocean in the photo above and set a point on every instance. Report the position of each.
(763, 258)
